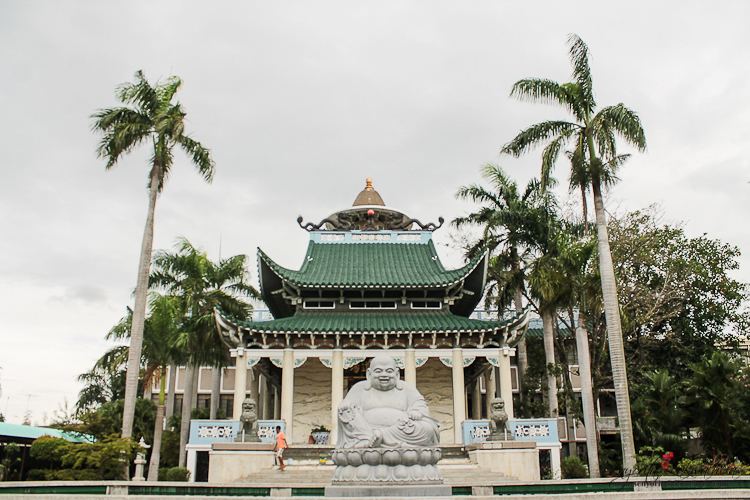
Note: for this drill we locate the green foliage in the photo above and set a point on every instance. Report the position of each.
(48, 451)
(10, 462)
(2, 417)
(716, 467)
(55, 458)
(175, 474)
(170, 448)
(573, 468)
(107, 419)
(649, 461)
(678, 298)
(719, 404)
(659, 412)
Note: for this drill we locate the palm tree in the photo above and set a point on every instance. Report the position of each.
(148, 114)
(507, 217)
(592, 135)
(202, 286)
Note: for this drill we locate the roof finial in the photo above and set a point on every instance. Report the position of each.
(368, 184)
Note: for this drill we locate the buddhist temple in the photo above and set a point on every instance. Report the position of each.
(371, 280)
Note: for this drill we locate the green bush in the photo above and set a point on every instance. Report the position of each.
(716, 467)
(649, 461)
(574, 468)
(48, 452)
(175, 474)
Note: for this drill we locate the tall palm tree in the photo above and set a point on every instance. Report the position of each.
(159, 337)
(593, 137)
(507, 217)
(201, 287)
(148, 114)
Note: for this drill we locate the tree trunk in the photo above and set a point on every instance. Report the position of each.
(171, 390)
(153, 464)
(139, 310)
(614, 332)
(587, 397)
(549, 358)
(196, 387)
(523, 358)
(215, 392)
(187, 406)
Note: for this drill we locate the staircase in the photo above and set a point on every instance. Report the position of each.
(304, 470)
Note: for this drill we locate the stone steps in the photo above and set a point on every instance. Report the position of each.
(455, 474)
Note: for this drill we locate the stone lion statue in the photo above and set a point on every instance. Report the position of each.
(249, 422)
(498, 421)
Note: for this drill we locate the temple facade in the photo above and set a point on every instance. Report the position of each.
(371, 280)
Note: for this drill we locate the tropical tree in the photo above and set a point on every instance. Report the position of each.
(148, 115)
(592, 135)
(510, 222)
(201, 286)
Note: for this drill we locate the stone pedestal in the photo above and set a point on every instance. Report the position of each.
(233, 462)
(373, 466)
(398, 491)
(517, 460)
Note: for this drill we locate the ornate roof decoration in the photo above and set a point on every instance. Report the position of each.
(368, 196)
(308, 324)
(369, 213)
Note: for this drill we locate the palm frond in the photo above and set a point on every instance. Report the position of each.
(534, 135)
(200, 156)
(140, 93)
(546, 91)
(579, 56)
(622, 121)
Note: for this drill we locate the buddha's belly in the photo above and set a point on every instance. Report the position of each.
(383, 417)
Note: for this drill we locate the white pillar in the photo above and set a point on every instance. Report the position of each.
(240, 381)
(410, 367)
(192, 462)
(554, 459)
(276, 403)
(252, 375)
(337, 392)
(476, 400)
(459, 396)
(489, 385)
(506, 385)
(287, 393)
(262, 391)
(267, 399)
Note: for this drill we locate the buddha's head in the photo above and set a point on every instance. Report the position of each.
(383, 373)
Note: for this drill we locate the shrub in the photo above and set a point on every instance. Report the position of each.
(574, 468)
(715, 467)
(177, 474)
(48, 451)
(650, 461)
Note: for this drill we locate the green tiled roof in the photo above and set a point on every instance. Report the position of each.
(372, 265)
(30, 432)
(374, 322)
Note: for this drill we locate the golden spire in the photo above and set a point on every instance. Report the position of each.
(368, 196)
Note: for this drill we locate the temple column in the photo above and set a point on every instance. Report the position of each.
(240, 380)
(337, 391)
(276, 403)
(459, 397)
(476, 400)
(265, 387)
(489, 384)
(252, 374)
(506, 385)
(287, 393)
(410, 367)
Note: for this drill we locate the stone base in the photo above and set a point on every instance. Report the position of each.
(233, 462)
(376, 474)
(407, 490)
(517, 460)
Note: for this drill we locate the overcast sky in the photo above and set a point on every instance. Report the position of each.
(299, 102)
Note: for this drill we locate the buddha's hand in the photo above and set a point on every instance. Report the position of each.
(346, 413)
(415, 415)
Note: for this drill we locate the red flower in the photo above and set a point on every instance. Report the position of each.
(665, 465)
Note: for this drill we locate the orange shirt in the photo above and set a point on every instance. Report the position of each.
(280, 440)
